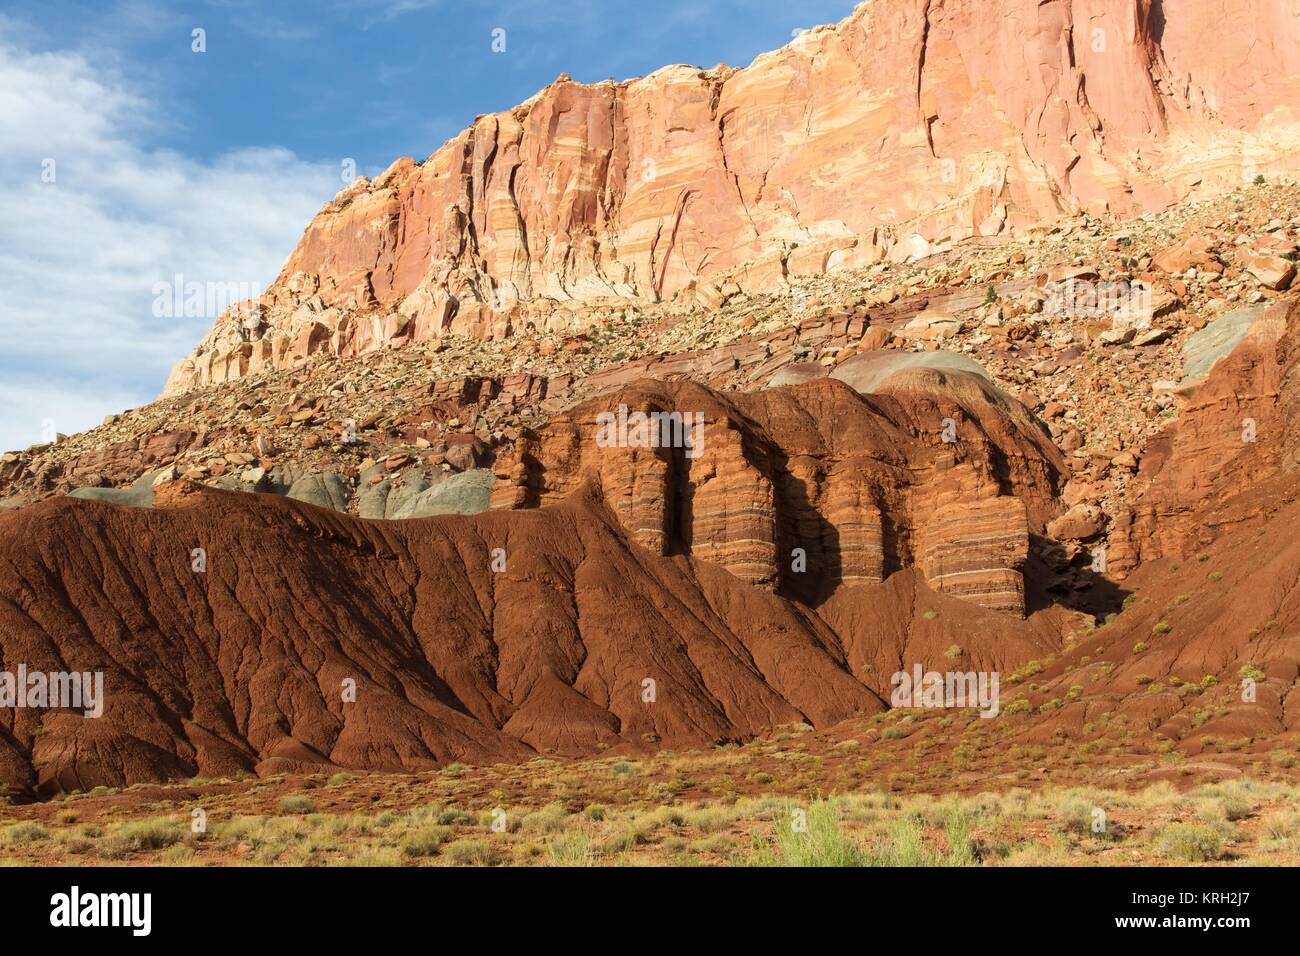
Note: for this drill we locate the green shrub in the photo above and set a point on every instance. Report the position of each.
(549, 819)
(1189, 842)
(425, 841)
(1233, 808)
(296, 803)
(824, 842)
(152, 833)
(22, 834)
(472, 853)
(574, 849)
(453, 815)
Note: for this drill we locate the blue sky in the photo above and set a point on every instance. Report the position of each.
(165, 161)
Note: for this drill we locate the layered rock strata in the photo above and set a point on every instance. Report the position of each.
(806, 488)
(908, 126)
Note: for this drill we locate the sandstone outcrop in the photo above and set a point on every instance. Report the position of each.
(901, 130)
(1237, 438)
(808, 487)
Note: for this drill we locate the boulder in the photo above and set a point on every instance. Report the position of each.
(322, 490)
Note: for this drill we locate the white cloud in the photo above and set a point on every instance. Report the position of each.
(79, 257)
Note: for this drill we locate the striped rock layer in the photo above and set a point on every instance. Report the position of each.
(808, 488)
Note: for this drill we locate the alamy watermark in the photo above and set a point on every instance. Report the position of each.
(129, 910)
(192, 299)
(651, 430)
(922, 688)
(74, 690)
(1080, 299)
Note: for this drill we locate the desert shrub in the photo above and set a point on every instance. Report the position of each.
(1189, 842)
(1076, 814)
(296, 803)
(1283, 826)
(179, 855)
(956, 829)
(822, 841)
(549, 819)
(151, 833)
(472, 853)
(23, 834)
(453, 815)
(1029, 670)
(1233, 808)
(76, 843)
(373, 856)
(711, 819)
(987, 804)
(573, 849)
(425, 841)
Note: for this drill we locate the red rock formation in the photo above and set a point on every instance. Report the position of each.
(642, 566)
(811, 486)
(1237, 435)
(909, 125)
(244, 666)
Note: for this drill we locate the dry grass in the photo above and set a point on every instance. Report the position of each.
(950, 790)
(1241, 820)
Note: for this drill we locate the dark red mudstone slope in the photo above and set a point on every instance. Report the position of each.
(242, 667)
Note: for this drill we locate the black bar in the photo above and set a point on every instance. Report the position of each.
(330, 906)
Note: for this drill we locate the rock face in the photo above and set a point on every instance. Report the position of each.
(1237, 438)
(808, 487)
(890, 135)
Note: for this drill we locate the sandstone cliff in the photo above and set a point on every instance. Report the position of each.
(909, 126)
